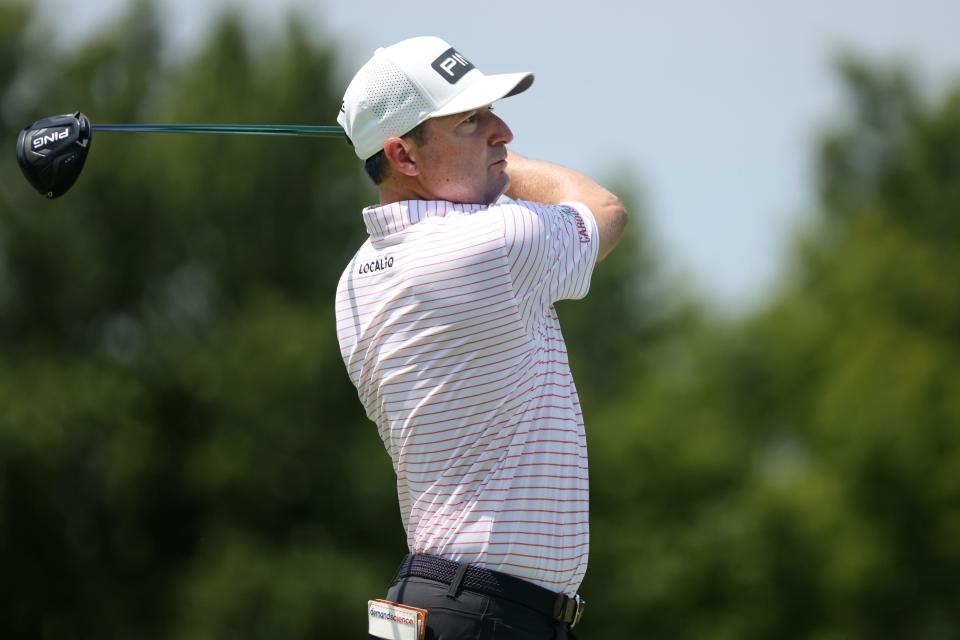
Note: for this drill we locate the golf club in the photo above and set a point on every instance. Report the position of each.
(51, 151)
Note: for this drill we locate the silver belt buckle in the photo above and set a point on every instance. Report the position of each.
(578, 612)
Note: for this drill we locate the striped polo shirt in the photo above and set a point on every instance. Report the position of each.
(446, 325)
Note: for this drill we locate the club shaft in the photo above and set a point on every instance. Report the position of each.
(316, 131)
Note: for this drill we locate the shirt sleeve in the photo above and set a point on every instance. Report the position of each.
(551, 250)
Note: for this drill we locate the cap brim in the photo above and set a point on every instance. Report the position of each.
(485, 91)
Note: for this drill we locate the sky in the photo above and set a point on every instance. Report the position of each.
(710, 109)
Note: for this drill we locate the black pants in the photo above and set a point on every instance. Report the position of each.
(474, 616)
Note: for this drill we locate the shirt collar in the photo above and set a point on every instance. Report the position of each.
(385, 220)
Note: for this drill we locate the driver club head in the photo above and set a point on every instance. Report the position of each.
(51, 152)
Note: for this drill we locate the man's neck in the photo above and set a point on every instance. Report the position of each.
(395, 190)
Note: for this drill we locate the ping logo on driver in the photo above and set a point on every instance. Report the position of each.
(451, 65)
(40, 141)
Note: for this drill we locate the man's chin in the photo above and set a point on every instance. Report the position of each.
(503, 187)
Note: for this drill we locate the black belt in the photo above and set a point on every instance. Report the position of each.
(557, 606)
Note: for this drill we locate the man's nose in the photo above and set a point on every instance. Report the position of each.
(501, 132)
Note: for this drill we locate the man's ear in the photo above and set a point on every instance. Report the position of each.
(398, 152)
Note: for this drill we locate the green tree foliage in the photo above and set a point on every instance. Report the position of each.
(181, 453)
(797, 474)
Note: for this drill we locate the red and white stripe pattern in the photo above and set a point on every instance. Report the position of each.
(446, 324)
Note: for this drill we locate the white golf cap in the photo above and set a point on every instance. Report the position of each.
(406, 83)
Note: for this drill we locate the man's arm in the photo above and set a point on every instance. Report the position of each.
(552, 184)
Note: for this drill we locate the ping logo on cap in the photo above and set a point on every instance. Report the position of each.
(451, 65)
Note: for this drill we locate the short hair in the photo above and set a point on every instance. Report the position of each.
(377, 166)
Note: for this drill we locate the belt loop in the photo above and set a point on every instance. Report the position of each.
(454, 590)
(559, 607)
(567, 609)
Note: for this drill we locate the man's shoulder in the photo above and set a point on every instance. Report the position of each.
(564, 210)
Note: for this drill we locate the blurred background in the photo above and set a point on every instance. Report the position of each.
(769, 364)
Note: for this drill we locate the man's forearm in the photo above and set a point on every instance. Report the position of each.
(552, 184)
(538, 180)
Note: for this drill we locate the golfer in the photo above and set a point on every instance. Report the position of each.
(447, 327)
